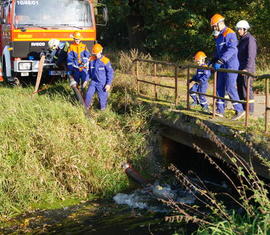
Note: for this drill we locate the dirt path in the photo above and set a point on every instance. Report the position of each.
(259, 108)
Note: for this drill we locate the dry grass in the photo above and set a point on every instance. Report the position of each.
(251, 195)
(50, 151)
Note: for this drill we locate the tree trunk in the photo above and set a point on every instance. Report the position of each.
(135, 25)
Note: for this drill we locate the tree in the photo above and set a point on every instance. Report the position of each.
(179, 28)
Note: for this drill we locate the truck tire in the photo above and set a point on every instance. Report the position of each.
(13, 81)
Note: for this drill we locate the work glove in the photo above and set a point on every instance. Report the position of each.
(218, 64)
(107, 88)
(84, 85)
(72, 83)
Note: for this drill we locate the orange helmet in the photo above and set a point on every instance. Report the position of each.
(199, 55)
(97, 48)
(216, 19)
(77, 35)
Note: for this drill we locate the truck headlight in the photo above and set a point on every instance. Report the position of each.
(24, 66)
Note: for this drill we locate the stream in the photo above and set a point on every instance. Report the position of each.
(140, 211)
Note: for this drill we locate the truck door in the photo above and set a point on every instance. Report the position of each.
(2, 26)
(6, 24)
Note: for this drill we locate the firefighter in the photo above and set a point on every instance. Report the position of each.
(201, 82)
(58, 52)
(101, 74)
(77, 60)
(226, 57)
(247, 51)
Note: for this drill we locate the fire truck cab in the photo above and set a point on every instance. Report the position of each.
(28, 25)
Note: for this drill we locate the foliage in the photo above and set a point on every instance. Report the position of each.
(179, 28)
(250, 195)
(126, 60)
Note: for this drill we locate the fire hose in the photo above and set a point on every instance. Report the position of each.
(155, 190)
(73, 85)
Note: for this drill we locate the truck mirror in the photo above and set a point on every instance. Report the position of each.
(101, 15)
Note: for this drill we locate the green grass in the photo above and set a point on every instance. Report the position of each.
(49, 151)
(52, 156)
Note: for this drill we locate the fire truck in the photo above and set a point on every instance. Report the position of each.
(28, 25)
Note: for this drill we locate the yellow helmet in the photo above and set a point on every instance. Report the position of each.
(216, 19)
(199, 55)
(97, 48)
(77, 35)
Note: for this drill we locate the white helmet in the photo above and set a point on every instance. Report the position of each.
(243, 24)
(53, 43)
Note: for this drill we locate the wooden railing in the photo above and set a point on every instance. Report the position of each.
(177, 68)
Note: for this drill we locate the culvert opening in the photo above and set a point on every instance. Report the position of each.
(188, 160)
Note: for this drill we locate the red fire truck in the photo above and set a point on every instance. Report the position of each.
(28, 25)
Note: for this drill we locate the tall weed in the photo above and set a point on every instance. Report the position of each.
(212, 213)
(49, 151)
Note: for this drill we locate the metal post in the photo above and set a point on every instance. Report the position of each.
(176, 84)
(188, 87)
(247, 101)
(266, 103)
(214, 93)
(137, 76)
(155, 75)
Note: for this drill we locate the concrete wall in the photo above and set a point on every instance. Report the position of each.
(186, 130)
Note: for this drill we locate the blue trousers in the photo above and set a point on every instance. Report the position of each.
(242, 82)
(226, 82)
(80, 76)
(200, 87)
(102, 95)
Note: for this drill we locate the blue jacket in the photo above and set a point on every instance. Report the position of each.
(77, 57)
(101, 71)
(201, 75)
(226, 48)
(247, 52)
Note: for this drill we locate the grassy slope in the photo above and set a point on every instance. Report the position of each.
(50, 151)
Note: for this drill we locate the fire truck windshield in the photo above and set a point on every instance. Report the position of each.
(52, 13)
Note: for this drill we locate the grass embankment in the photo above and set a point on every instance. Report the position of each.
(214, 212)
(50, 152)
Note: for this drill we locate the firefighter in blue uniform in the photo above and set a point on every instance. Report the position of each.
(78, 60)
(201, 82)
(247, 52)
(226, 57)
(59, 52)
(101, 74)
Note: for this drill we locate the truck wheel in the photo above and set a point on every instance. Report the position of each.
(13, 81)
(16, 81)
(4, 69)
